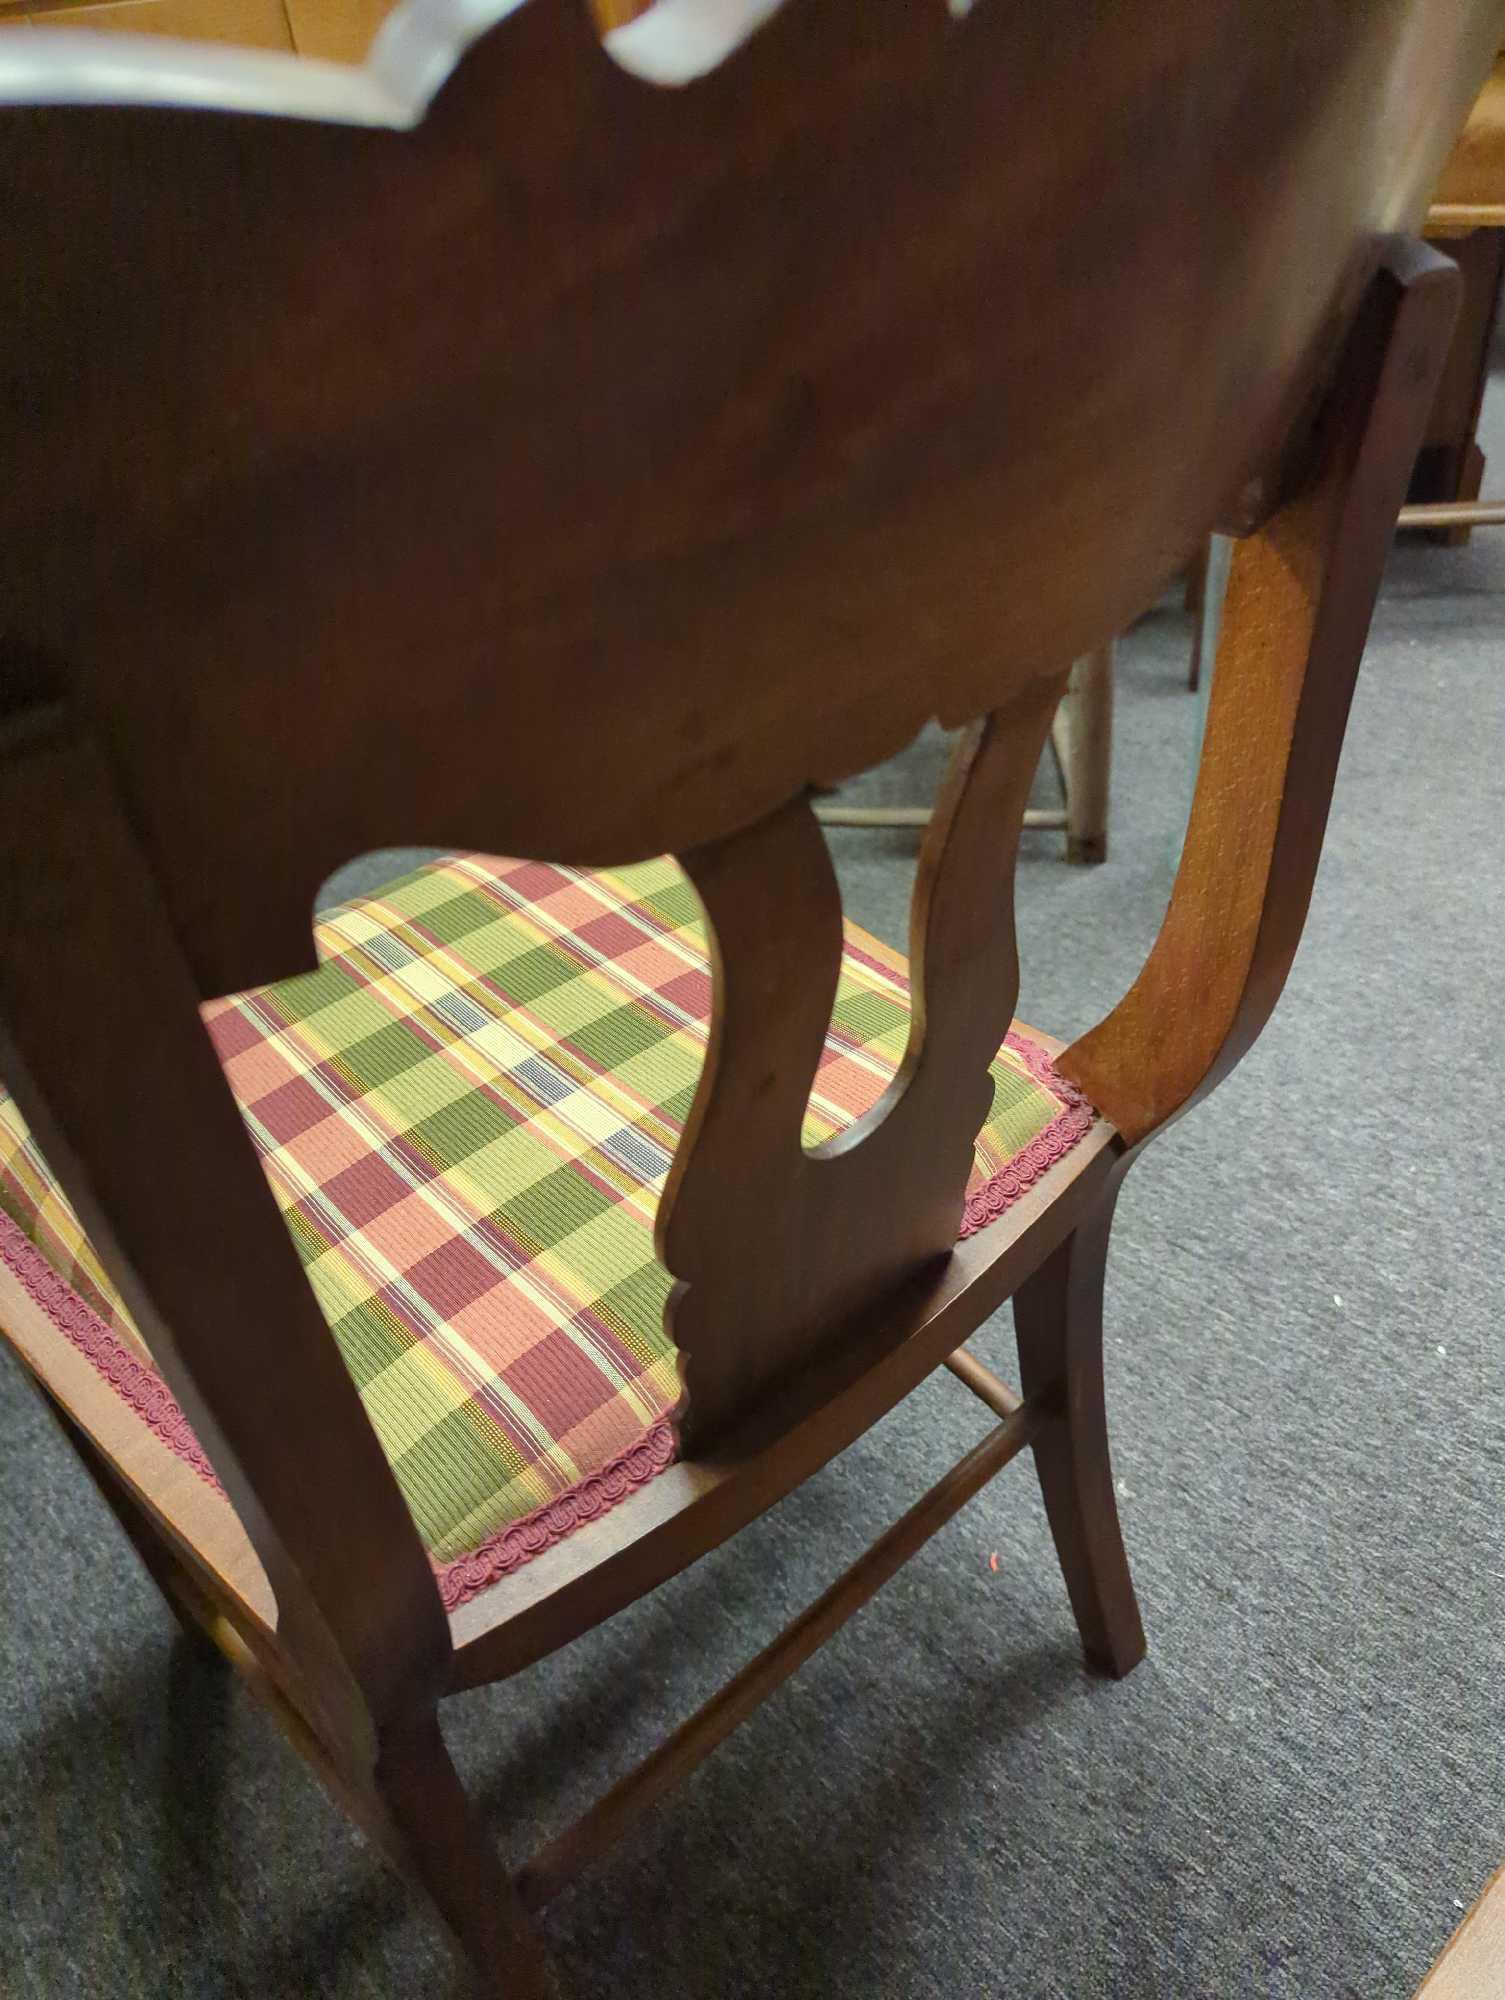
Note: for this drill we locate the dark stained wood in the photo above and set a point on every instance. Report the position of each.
(557, 1864)
(1295, 617)
(443, 1847)
(1058, 1317)
(132, 1113)
(838, 1228)
(586, 473)
(656, 438)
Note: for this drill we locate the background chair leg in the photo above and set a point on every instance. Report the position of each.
(1058, 1317)
(1470, 481)
(1450, 465)
(435, 1835)
(1082, 736)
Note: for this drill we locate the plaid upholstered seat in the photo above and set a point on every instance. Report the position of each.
(466, 1115)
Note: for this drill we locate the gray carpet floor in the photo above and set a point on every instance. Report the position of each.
(1295, 1795)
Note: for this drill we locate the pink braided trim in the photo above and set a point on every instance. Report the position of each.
(1072, 1122)
(520, 1541)
(142, 1389)
(466, 1576)
(135, 1381)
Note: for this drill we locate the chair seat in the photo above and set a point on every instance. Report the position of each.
(466, 1115)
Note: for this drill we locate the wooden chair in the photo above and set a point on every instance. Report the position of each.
(1467, 221)
(584, 473)
(1081, 743)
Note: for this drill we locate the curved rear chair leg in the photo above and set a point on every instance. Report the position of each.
(434, 1834)
(1058, 1317)
(185, 1599)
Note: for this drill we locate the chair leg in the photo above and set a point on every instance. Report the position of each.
(1082, 736)
(435, 1835)
(183, 1597)
(1470, 483)
(1058, 1317)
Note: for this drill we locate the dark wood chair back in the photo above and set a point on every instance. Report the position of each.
(586, 473)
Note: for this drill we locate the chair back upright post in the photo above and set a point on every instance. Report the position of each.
(137, 1122)
(1296, 613)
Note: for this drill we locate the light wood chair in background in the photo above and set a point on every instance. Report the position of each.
(1467, 221)
(1081, 746)
(585, 473)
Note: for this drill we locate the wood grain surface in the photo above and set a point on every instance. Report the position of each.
(349, 486)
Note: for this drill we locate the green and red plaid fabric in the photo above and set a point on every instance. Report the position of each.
(33, 1201)
(466, 1115)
